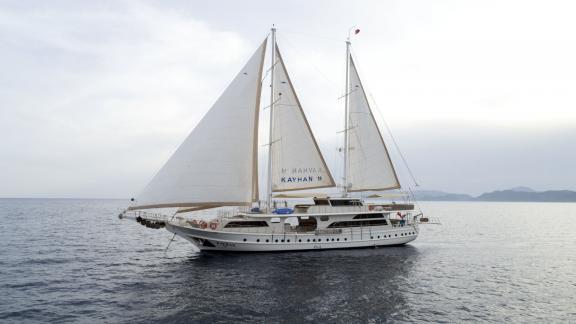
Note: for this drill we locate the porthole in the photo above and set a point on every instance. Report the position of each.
(371, 237)
(308, 240)
(378, 236)
(244, 240)
(313, 240)
(267, 240)
(276, 241)
(332, 239)
(299, 240)
(288, 241)
(345, 239)
(319, 240)
(258, 240)
(338, 239)
(282, 241)
(395, 234)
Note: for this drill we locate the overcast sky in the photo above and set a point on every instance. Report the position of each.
(96, 95)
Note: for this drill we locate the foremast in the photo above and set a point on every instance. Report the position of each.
(271, 126)
(346, 143)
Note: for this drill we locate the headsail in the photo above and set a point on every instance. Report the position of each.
(369, 164)
(217, 163)
(297, 162)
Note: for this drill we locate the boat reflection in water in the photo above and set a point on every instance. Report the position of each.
(354, 285)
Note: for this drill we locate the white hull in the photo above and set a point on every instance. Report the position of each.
(212, 240)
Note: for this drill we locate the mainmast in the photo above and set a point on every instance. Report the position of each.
(270, 138)
(346, 149)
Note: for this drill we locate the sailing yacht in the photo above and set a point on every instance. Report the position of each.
(211, 181)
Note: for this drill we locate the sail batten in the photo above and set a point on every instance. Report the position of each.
(369, 163)
(217, 163)
(297, 162)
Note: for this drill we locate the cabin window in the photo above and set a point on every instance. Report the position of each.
(345, 202)
(306, 224)
(236, 224)
(321, 202)
(365, 216)
(376, 222)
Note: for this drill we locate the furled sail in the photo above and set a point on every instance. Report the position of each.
(297, 162)
(369, 164)
(217, 163)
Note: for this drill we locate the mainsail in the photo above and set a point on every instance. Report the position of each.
(217, 163)
(297, 162)
(369, 164)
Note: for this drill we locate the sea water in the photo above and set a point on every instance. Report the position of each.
(75, 261)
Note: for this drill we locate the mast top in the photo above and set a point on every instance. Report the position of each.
(356, 31)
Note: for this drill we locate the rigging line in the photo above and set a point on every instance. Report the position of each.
(312, 36)
(291, 46)
(173, 236)
(394, 141)
(387, 127)
(415, 201)
(171, 240)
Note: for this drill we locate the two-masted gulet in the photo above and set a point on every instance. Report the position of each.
(211, 180)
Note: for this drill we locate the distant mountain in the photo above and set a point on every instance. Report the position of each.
(544, 196)
(514, 194)
(522, 189)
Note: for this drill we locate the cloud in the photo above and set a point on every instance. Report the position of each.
(95, 96)
(86, 91)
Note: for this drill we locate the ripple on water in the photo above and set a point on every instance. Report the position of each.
(74, 261)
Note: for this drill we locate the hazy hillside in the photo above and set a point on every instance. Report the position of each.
(515, 194)
(544, 196)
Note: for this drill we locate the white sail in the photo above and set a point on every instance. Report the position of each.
(369, 164)
(217, 163)
(297, 162)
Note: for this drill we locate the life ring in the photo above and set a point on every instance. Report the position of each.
(203, 224)
(213, 225)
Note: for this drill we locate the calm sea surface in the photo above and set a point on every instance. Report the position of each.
(75, 261)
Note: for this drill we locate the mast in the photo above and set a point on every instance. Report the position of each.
(346, 91)
(270, 138)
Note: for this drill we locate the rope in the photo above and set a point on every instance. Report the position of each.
(312, 36)
(394, 141)
(386, 125)
(294, 48)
